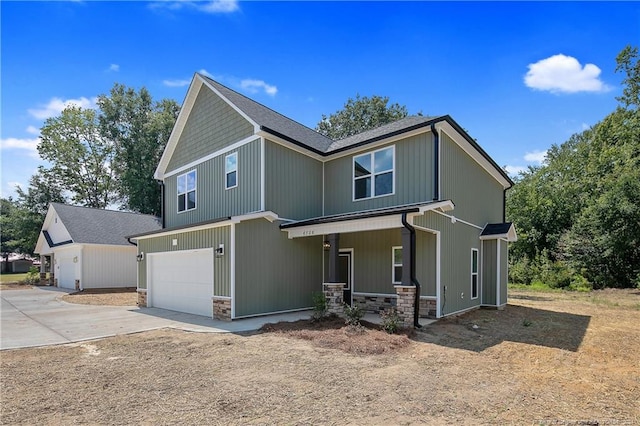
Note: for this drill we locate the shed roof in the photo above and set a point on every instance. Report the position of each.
(494, 231)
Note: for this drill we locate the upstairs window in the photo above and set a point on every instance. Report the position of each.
(373, 173)
(474, 273)
(397, 265)
(187, 191)
(231, 171)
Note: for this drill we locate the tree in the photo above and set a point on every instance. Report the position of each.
(360, 114)
(139, 129)
(627, 62)
(81, 158)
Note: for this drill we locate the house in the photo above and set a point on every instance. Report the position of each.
(15, 263)
(88, 248)
(260, 212)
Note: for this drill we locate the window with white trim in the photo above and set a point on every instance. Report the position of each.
(474, 273)
(373, 173)
(187, 191)
(231, 171)
(397, 265)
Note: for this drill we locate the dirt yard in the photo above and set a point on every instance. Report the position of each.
(108, 297)
(549, 358)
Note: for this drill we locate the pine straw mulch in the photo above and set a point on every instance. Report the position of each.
(104, 296)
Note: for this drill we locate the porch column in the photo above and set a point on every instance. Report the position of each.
(334, 289)
(52, 270)
(43, 269)
(334, 258)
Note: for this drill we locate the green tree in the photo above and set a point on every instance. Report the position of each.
(81, 158)
(139, 129)
(360, 114)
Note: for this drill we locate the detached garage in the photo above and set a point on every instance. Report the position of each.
(88, 248)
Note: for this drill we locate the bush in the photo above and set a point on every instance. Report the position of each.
(33, 276)
(391, 321)
(580, 283)
(319, 306)
(354, 314)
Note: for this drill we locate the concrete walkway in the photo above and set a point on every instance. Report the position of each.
(36, 317)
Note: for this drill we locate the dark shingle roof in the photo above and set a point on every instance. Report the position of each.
(98, 226)
(274, 122)
(496, 229)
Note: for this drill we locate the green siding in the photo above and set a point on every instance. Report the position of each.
(212, 199)
(413, 178)
(489, 272)
(212, 125)
(504, 271)
(293, 183)
(477, 196)
(274, 273)
(188, 241)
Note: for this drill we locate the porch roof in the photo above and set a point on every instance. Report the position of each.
(494, 231)
(368, 220)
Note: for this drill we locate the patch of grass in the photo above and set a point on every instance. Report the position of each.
(536, 286)
(12, 278)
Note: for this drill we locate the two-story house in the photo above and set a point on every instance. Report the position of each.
(260, 212)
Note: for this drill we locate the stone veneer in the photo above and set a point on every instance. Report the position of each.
(43, 278)
(222, 309)
(374, 304)
(77, 285)
(427, 308)
(142, 297)
(405, 303)
(334, 295)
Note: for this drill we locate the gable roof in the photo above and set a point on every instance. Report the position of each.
(98, 226)
(494, 231)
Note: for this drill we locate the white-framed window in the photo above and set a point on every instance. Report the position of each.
(474, 273)
(373, 173)
(396, 253)
(231, 171)
(187, 191)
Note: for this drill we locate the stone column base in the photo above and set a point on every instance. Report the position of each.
(427, 308)
(43, 278)
(54, 280)
(142, 297)
(222, 308)
(334, 295)
(405, 303)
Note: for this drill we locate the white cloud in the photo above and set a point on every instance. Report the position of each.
(29, 145)
(114, 67)
(514, 170)
(564, 74)
(207, 73)
(535, 157)
(254, 86)
(211, 6)
(33, 130)
(176, 83)
(56, 105)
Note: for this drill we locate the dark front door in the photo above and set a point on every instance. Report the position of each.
(345, 275)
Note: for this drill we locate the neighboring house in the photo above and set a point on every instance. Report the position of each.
(260, 212)
(15, 263)
(88, 247)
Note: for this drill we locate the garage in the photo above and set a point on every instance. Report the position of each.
(66, 271)
(181, 281)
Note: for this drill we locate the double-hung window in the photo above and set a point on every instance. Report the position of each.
(231, 171)
(474, 273)
(187, 191)
(397, 265)
(373, 173)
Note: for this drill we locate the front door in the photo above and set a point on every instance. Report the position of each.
(345, 274)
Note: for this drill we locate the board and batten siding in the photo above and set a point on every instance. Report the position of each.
(477, 196)
(293, 183)
(211, 126)
(504, 271)
(456, 241)
(413, 177)
(200, 239)
(108, 266)
(274, 273)
(489, 272)
(213, 201)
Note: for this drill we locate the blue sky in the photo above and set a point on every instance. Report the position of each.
(518, 76)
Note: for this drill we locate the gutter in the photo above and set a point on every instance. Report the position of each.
(131, 242)
(436, 162)
(412, 270)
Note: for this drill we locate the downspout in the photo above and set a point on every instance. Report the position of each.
(436, 163)
(504, 205)
(131, 242)
(412, 270)
(161, 183)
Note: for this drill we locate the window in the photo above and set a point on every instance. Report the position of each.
(373, 174)
(397, 265)
(231, 171)
(187, 191)
(474, 273)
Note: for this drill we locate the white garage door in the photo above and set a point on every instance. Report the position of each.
(181, 281)
(65, 272)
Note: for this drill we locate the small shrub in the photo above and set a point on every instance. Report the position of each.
(391, 321)
(33, 276)
(319, 306)
(354, 314)
(580, 283)
(526, 323)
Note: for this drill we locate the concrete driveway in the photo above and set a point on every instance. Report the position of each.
(37, 317)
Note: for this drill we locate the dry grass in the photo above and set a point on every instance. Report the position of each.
(546, 359)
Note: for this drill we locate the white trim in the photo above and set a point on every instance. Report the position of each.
(227, 172)
(349, 253)
(186, 193)
(232, 268)
(323, 189)
(510, 235)
(438, 254)
(439, 160)
(497, 272)
(375, 294)
(393, 265)
(466, 146)
(461, 311)
(266, 314)
(183, 230)
(477, 273)
(262, 174)
(428, 298)
(481, 272)
(229, 148)
(220, 298)
(269, 215)
(357, 225)
(372, 175)
(455, 219)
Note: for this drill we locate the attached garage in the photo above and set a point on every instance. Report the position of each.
(181, 281)
(65, 270)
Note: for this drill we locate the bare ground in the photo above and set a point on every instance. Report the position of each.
(549, 358)
(104, 296)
